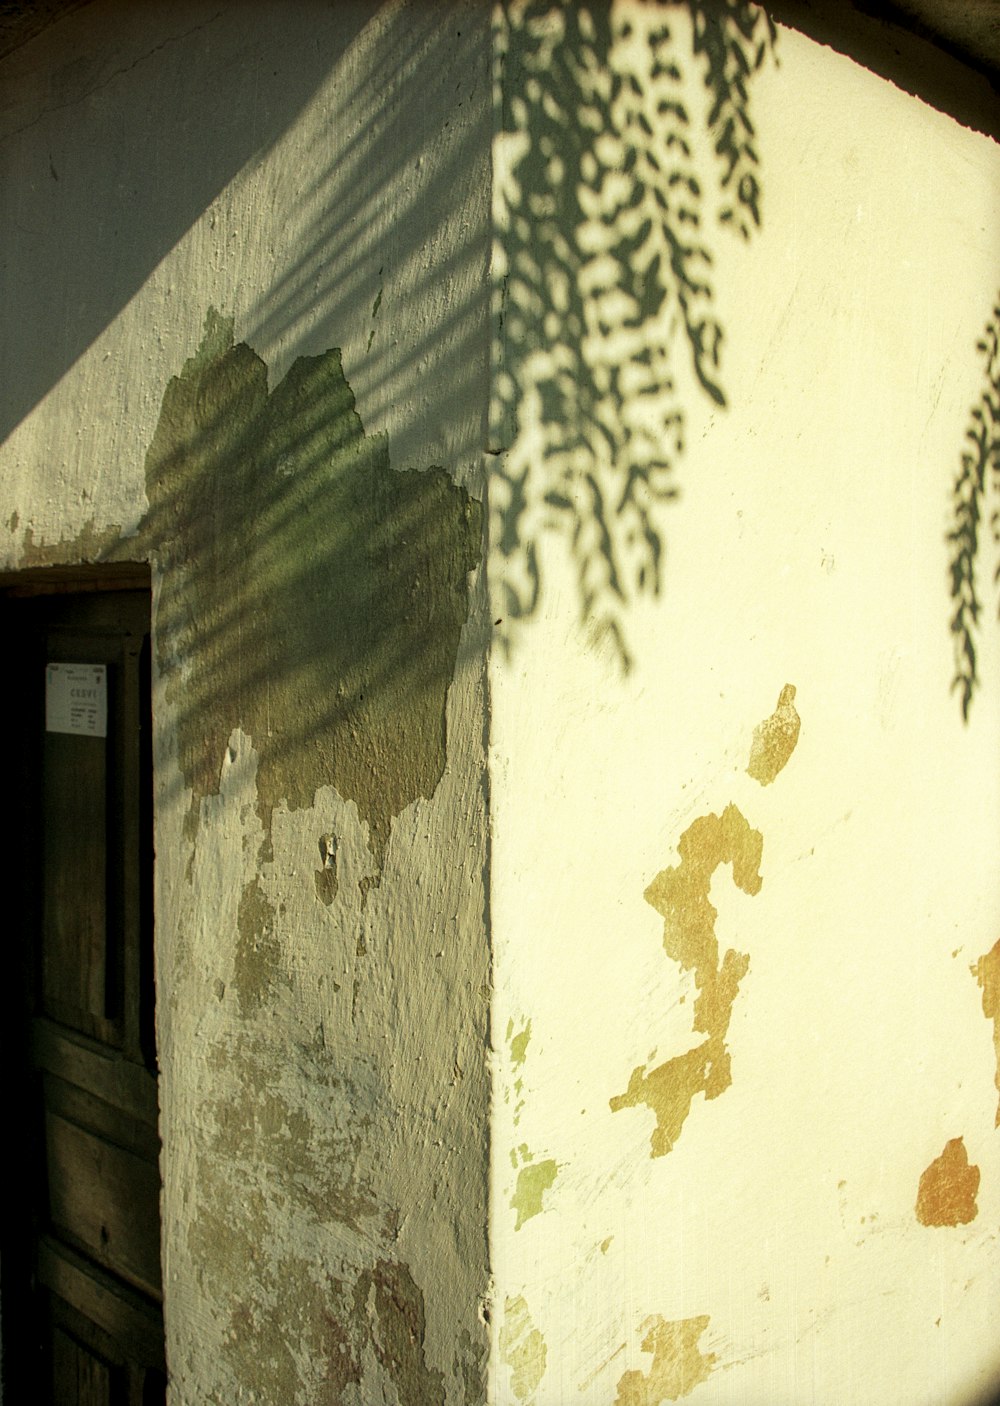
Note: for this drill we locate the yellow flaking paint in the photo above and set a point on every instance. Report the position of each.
(532, 1183)
(681, 895)
(523, 1349)
(947, 1191)
(987, 973)
(678, 1367)
(774, 739)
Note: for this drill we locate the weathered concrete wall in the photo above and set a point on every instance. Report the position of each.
(744, 896)
(246, 339)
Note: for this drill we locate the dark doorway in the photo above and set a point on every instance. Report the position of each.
(81, 1287)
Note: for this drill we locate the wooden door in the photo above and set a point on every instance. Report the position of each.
(82, 1295)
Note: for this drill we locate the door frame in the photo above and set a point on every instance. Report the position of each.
(22, 1246)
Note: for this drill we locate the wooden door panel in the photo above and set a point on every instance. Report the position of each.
(98, 1307)
(87, 1250)
(96, 1194)
(74, 977)
(79, 1378)
(76, 1060)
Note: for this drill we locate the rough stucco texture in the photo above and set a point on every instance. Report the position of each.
(313, 596)
(308, 620)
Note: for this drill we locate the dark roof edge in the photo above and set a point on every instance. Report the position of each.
(909, 53)
(22, 20)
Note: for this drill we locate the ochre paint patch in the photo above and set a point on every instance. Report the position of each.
(774, 739)
(311, 595)
(948, 1188)
(532, 1183)
(681, 895)
(522, 1348)
(987, 973)
(678, 1367)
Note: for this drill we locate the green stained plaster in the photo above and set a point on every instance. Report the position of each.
(522, 1348)
(532, 1183)
(519, 1044)
(312, 595)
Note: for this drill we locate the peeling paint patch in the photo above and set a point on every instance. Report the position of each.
(312, 595)
(325, 877)
(522, 1348)
(258, 950)
(774, 739)
(260, 1124)
(518, 1054)
(470, 1368)
(948, 1188)
(681, 895)
(533, 1180)
(518, 1043)
(987, 974)
(91, 544)
(678, 1366)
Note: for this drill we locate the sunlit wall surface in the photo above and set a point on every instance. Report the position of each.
(745, 895)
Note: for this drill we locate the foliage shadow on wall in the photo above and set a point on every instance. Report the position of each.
(604, 265)
(977, 481)
(387, 242)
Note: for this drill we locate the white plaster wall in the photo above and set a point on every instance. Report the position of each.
(807, 548)
(319, 174)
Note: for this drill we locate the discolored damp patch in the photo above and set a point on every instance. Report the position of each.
(389, 1301)
(987, 974)
(522, 1348)
(311, 594)
(533, 1181)
(343, 1369)
(774, 739)
(680, 895)
(678, 1366)
(257, 960)
(276, 1370)
(90, 544)
(948, 1188)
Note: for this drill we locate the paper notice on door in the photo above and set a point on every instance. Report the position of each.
(76, 699)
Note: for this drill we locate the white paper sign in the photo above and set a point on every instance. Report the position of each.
(76, 699)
